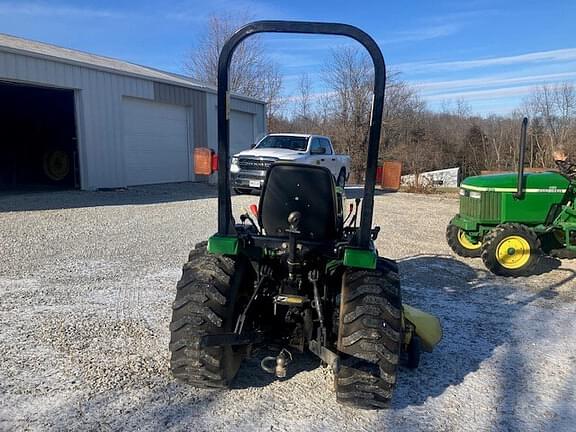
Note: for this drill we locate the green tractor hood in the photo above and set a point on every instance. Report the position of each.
(548, 181)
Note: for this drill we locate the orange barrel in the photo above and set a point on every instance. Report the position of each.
(391, 172)
(203, 161)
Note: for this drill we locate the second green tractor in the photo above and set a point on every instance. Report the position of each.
(510, 220)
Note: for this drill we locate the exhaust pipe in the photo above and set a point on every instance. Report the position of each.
(519, 190)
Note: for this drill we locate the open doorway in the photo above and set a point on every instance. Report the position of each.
(38, 144)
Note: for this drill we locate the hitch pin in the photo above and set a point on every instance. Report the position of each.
(281, 362)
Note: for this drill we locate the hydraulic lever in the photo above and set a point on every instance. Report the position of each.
(294, 263)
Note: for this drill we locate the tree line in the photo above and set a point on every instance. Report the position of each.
(421, 138)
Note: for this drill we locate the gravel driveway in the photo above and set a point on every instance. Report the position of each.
(86, 284)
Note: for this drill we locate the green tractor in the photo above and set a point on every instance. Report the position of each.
(512, 219)
(295, 273)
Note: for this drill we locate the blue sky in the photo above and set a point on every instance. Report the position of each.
(489, 53)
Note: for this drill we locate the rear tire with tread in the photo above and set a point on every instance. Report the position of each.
(369, 336)
(492, 241)
(205, 304)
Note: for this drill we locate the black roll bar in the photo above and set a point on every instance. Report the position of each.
(225, 217)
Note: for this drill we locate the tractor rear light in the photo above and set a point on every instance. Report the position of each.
(214, 162)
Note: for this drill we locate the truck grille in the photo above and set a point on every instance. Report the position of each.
(254, 164)
(486, 208)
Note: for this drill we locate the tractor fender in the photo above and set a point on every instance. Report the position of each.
(426, 326)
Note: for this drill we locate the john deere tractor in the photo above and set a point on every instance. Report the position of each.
(296, 272)
(512, 219)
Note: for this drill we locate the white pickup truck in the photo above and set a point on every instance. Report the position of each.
(248, 167)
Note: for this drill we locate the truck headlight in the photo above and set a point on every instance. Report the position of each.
(234, 168)
(462, 192)
(476, 195)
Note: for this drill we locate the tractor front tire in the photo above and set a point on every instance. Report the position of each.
(460, 244)
(511, 250)
(205, 304)
(369, 336)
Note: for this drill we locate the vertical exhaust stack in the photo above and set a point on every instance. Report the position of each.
(519, 190)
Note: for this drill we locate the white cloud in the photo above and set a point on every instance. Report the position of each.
(482, 94)
(312, 96)
(310, 44)
(559, 55)
(45, 10)
(488, 81)
(425, 33)
(198, 11)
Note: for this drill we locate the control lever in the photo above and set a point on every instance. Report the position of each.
(353, 220)
(293, 232)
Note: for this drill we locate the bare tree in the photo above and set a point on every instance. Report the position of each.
(305, 90)
(427, 140)
(252, 72)
(349, 77)
(271, 93)
(304, 111)
(555, 107)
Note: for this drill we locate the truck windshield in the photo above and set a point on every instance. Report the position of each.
(284, 142)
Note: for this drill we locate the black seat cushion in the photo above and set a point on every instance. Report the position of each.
(307, 189)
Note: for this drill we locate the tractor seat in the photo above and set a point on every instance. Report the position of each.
(308, 189)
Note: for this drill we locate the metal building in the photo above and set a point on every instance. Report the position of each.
(74, 119)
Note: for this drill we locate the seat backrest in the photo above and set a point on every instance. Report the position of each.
(307, 189)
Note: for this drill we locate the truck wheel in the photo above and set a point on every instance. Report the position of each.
(205, 304)
(460, 244)
(341, 180)
(369, 336)
(511, 250)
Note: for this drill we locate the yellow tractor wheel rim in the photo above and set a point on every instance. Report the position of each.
(467, 243)
(513, 252)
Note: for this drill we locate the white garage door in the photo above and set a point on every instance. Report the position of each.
(241, 131)
(155, 142)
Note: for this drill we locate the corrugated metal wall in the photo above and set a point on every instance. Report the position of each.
(195, 99)
(258, 112)
(99, 110)
(237, 104)
(99, 103)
